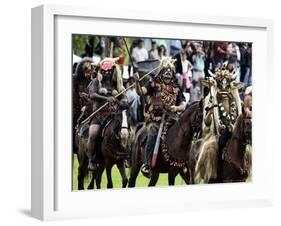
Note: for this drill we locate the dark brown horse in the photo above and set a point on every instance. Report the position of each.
(236, 160)
(179, 140)
(81, 137)
(112, 148)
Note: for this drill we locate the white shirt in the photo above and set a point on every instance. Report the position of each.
(233, 48)
(139, 54)
(184, 64)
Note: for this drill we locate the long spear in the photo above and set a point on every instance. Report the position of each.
(105, 104)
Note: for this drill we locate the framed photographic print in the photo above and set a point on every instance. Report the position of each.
(135, 114)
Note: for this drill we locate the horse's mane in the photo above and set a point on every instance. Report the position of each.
(190, 109)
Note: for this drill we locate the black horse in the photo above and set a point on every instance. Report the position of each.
(236, 160)
(179, 139)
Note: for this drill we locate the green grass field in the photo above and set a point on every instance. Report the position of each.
(141, 180)
(117, 180)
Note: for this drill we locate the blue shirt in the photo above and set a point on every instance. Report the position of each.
(198, 62)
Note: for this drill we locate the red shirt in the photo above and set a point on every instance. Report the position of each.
(217, 54)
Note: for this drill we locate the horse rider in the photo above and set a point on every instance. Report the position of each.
(102, 89)
(164, 94)
(84, 73)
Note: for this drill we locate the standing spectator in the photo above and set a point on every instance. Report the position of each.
(139, 53)
(195, 93)
(233, 53)
(233, 56)
(198, 60)
(219, 55)
(178, 57)
(134, 45)
(189, 48)
(243, 56)
(175, 47)
(134, 99)
(248, 73)
(207, 49)
(186, 72)
(162, 52)
(161, 42)
(153, 52)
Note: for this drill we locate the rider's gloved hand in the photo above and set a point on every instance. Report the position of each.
(111, 99)
(136, 77)
(173, 108)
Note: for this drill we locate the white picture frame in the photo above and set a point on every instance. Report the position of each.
(52, 197)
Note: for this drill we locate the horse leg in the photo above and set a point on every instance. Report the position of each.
(192, 169)
(121, 168)
(185, 176)
(99, 176)
(172, 175)
(154, 178)
(92, 183)
(134, 173)
(82, 170)
(108, 167)
(191, 172)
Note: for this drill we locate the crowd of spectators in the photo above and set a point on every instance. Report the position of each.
(194, 58)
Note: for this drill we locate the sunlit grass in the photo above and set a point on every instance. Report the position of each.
(117, 180)
(141, 180)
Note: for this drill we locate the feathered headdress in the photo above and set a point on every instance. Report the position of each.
(167, 67)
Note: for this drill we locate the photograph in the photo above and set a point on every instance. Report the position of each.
(152, 111)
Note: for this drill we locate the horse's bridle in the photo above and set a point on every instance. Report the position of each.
(117, 135)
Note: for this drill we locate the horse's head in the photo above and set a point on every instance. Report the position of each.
(121, 118)
(191, 119)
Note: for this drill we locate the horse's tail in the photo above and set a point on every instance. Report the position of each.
(207, 163)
